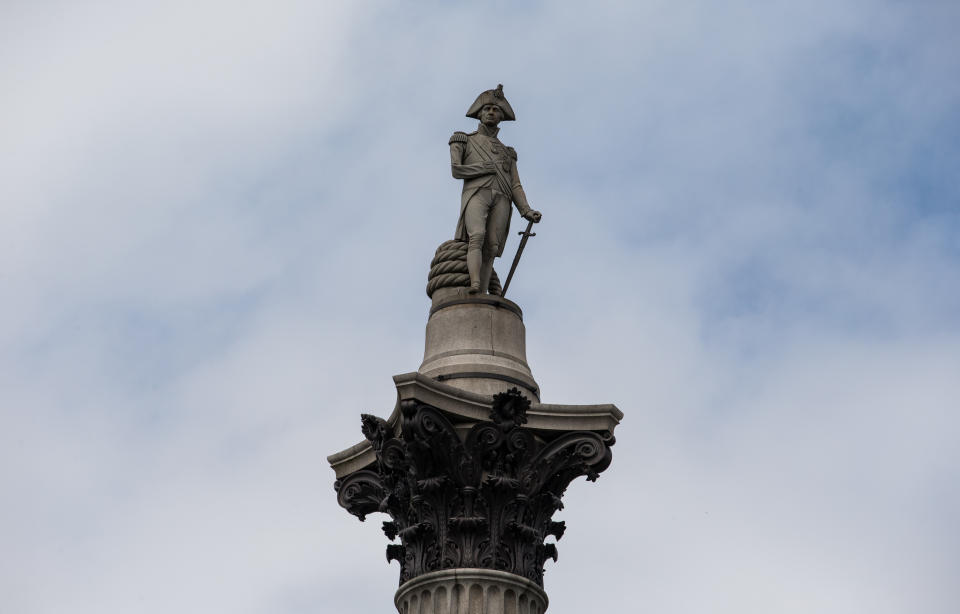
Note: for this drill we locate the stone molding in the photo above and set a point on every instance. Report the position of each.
(464, 405)
(443, 301)
(465, 591)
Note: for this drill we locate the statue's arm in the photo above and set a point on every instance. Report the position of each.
(519, 196)
(461, 170)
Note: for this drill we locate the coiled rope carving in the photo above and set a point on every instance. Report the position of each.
(448, 269)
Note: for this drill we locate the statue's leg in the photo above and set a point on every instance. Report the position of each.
(475, 219)
(486, 266)
(475, 262)
(496, 231)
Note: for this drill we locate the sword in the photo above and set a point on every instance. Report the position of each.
(516, 259)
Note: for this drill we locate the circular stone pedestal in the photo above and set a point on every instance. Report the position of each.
(477, 343)
(470, 591)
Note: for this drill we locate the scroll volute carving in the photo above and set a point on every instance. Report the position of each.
(484, 501)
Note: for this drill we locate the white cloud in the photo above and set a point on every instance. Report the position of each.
(217, 220)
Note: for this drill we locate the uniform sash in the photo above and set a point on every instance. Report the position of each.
(505, 185)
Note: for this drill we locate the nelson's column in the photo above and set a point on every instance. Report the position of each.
(471, 466)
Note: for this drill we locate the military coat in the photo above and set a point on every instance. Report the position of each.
(469, 153)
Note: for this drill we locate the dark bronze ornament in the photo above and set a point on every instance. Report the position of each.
(480, 496)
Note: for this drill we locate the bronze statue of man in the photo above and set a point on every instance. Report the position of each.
(490, 183)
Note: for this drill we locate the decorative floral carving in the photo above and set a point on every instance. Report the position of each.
(482, 500)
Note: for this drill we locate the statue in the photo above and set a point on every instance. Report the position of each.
(490, 183)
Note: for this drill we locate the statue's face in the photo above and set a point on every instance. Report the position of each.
(491, 115)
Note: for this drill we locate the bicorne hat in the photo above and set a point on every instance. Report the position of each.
(492, 97)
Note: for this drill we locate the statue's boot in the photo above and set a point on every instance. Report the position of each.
(486, 270)
(474, 266)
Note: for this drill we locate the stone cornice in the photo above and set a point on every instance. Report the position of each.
(462, 405)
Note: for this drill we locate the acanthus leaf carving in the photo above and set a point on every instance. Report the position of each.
(482, 499)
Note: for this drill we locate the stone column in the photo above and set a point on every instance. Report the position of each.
(469, 591)
(470, 467)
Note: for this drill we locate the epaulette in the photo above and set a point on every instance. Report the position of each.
(458, 137)
(512, 152)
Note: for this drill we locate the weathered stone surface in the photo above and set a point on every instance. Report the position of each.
(470, 467)
(478, 343)
(466, 591)
(471, 496)
(449, 273)
(491, 183)
(465, 408)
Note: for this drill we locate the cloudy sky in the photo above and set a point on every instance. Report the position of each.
(217, 220)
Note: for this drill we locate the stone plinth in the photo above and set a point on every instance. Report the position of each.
(468, 591)
(477, 343)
